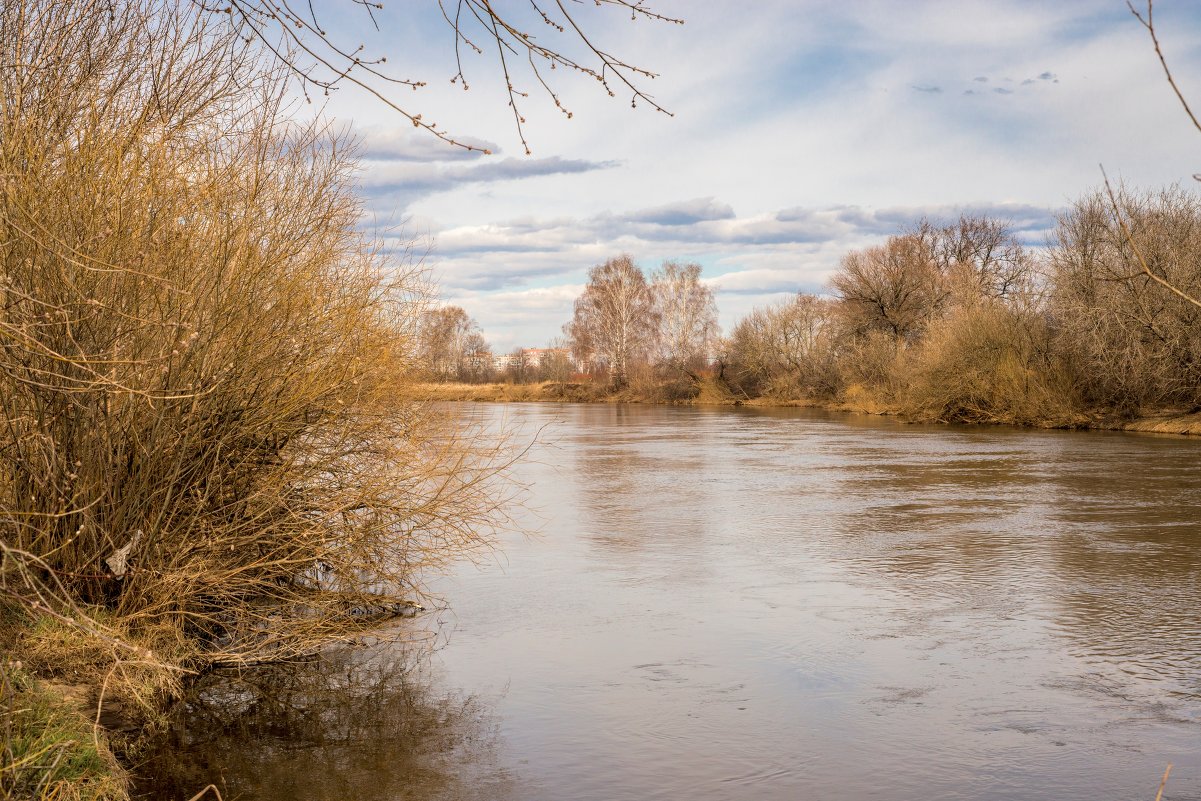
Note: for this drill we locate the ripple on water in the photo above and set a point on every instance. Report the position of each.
(783, 604)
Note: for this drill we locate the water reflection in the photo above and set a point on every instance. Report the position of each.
(781, 604)
(365, 723)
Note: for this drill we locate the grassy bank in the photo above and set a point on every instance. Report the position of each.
(49, 749)
(711, 393)
(81, 694)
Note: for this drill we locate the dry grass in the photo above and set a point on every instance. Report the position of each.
(1177, 422)
(543, 391)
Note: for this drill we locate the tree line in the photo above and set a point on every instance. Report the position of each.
(624, 324)
(951, 321)
(960, 322)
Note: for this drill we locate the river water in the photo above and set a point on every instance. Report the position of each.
(766, 604)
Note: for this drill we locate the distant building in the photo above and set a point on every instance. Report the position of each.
(536, 357)
(531, 357)
(479, 359)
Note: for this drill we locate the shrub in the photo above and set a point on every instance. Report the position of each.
(1128, 342)
(985, 363)
(201, 357)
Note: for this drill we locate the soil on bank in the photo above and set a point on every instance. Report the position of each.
(712, 393)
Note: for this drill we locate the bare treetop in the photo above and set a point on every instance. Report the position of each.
(294, 35)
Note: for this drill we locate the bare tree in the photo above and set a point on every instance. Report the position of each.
(447, 337)
(518, 368)
(477, 359)
(786, 348)
(1127, 341)
(895, 287)
(687, 317)
(556, 364)
(615, 321)
(978, 258)
(1147, 19)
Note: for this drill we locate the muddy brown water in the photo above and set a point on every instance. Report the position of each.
(766, 604)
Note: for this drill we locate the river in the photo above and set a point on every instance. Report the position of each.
(766, 604)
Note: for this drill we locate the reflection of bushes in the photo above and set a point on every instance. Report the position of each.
(353, 724)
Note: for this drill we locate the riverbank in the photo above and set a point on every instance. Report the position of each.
(81, 697)
(709, 393)
(50, 748)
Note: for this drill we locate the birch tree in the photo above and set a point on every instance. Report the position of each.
(615, 320)
(687, 317)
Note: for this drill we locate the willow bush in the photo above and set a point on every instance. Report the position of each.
(1128, 343)
(988, 362)
(203, 414)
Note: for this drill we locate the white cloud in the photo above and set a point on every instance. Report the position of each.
(404, 143)
(802, 129)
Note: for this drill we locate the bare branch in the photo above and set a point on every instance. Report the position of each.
(299, 43)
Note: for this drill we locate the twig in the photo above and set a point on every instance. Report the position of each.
(1163, 781)
(1148, 22)
(216, 792)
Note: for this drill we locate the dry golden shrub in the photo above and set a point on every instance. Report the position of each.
(202, 359)
(870, 362)
(987, 362)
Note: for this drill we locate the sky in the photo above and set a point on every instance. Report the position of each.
(799, 130)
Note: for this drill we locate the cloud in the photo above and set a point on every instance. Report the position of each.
(685, 212)
(762, 282)
(384, 143)
(796, 226)
(981, 79)
(517, 168)
(927, 89)
(404, 182)
(526, 250)
(1000, 90)
(525, 317)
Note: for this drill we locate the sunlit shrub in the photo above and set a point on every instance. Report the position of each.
(1127, 341)
(202, 360)
(987, 362)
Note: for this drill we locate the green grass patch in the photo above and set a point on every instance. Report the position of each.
(48, 749)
